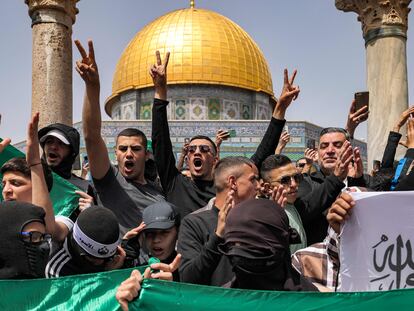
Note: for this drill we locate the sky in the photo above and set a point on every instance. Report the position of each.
(324, 44)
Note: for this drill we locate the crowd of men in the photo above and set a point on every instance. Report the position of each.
(263, 222)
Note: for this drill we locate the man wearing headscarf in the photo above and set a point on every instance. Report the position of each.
(257, 237)
(24, 244)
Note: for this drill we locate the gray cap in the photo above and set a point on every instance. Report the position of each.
(161, 216)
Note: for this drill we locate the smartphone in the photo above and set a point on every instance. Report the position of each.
(361, 100)
(85, 160)
(310, 144)
(232, 132)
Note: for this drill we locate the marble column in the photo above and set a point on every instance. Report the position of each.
(384, 27)
(52, 22)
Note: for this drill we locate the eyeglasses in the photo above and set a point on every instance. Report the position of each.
(203, 148)
(35, 237)
(287, 180)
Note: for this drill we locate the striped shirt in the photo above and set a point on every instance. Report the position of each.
(320, 261)
(58, 261)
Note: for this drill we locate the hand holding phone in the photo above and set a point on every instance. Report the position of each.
(361, 100)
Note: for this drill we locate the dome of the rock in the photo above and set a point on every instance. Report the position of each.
(206, 49)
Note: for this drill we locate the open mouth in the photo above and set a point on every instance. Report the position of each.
(129, 165)
(198, 162)
(156, 251)
(52, 156)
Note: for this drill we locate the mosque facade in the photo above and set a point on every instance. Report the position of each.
(218, 78)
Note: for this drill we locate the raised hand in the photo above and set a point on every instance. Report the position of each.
(4, 143)
(311, 155)
(32, 144)
(134, 232)
(344, 158)
(85, 200)
(86, 67)
(221, 135)
(355, 117)
(410, 133)
(222, 216)
(284, 139)
(289, 93)
(279, 195)
(403, 119)
(356, 167)
(158, 73)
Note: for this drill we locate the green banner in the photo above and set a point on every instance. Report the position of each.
(97, 292)
(63, 195)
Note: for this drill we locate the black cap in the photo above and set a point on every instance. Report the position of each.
(160, 215)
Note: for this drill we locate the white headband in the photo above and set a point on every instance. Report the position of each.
(92, 247)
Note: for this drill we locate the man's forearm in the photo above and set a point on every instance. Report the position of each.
(91, 113)
(41, 197)
(161, 93)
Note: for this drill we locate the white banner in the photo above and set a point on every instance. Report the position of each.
(377, 241)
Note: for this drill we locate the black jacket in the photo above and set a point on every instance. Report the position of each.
(189, 195)
(202, 263)
(314, 198)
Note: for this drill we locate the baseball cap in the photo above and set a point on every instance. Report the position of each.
(55, 133)
(160, 215)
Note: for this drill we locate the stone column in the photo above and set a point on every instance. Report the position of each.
(52, 59)
(384, 26)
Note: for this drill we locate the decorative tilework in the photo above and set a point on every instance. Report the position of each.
(116, 114)
(198, 109)
(180, 109)
(128, 111)
(231, 110)
(145, 112)
(246, 111)
(214, 109)
(263, 111)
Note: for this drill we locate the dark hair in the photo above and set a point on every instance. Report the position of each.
(206, 138)
(273, 162)
(20, 165)
(226, 164)
(327, 130)
(129, 132)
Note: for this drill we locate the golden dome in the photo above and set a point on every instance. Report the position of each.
(206, 48)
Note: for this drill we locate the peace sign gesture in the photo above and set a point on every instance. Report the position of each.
(158, 74)
(289, 93)
(86, 67)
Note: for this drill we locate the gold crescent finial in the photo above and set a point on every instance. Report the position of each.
(192, 4)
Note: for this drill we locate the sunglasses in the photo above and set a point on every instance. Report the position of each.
(203, 148)
(35, 237)
(301, 165)
(287, 180)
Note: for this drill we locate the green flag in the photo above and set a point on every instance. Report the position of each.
(97, 292)
(63, 195)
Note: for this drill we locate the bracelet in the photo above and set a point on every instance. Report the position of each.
(35, 164)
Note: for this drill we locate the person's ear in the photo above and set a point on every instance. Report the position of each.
(146, 155)
(231, 183)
